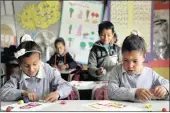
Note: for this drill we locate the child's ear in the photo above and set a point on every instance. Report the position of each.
(144, 56)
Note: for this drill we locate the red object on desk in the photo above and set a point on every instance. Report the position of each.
(164, 109)
(8, 109)
(63, 102)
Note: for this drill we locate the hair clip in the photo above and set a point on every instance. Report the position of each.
(135, 32)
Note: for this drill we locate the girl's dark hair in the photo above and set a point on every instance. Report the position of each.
(105, 25)
(134, 42)
(60, 39)
(28, 46)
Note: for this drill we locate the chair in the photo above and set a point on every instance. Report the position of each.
(74, 95)
(75, 75)
(100, 92)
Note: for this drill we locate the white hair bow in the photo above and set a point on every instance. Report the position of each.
(19, 53)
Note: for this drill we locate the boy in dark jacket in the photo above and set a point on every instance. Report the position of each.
(105, 53)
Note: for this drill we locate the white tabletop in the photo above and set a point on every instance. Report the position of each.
(78, 105)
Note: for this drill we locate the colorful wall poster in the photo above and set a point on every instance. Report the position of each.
(34, 16)
(130, 15)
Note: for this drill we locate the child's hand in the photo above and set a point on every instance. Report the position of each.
(31, 95)
(101, 71)
(159, 91)
(143, 94)
(52, 97)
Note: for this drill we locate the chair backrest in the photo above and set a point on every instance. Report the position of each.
(74, 95)
(75, 75)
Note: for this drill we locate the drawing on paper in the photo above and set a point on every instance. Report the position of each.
(82, 45)
(70, 40)
(79, 16)
(71, 12)
(70, 28)
(87, 15)
(79, 30)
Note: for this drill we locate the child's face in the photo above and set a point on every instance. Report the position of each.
(30, 65)
(133, 62)
(60, 48)
(106, 36)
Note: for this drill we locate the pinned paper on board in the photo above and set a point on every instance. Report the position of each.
(130, 15)
(8, 32)
(40, 15)
(77, 36)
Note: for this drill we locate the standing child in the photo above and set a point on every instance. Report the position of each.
(35, 79)
(62, 59)
(104, 54)
(132, 80)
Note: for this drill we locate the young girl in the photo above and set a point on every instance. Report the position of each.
(105, 53)
(132, 80)
(62, 59)
(35, 79)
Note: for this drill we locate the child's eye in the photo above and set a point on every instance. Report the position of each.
(34, 64)
(135, 61)
(125, 60)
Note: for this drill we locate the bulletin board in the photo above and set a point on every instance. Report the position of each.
(79, 27)
(130, 15)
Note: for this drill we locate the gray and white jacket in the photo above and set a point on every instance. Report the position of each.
(48, 79)
(100, 57)
(123, 86)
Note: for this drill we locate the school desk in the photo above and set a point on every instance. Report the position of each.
(65, 73)
(85, 105)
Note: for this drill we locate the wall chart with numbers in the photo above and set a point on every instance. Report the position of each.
(129, 15)
(79, 26)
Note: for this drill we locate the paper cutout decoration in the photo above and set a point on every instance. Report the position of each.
(7, 36)
(42, 15)
(82, 45)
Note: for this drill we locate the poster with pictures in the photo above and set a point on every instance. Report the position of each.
(130, 15)
(161, 31)
(79, 27)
